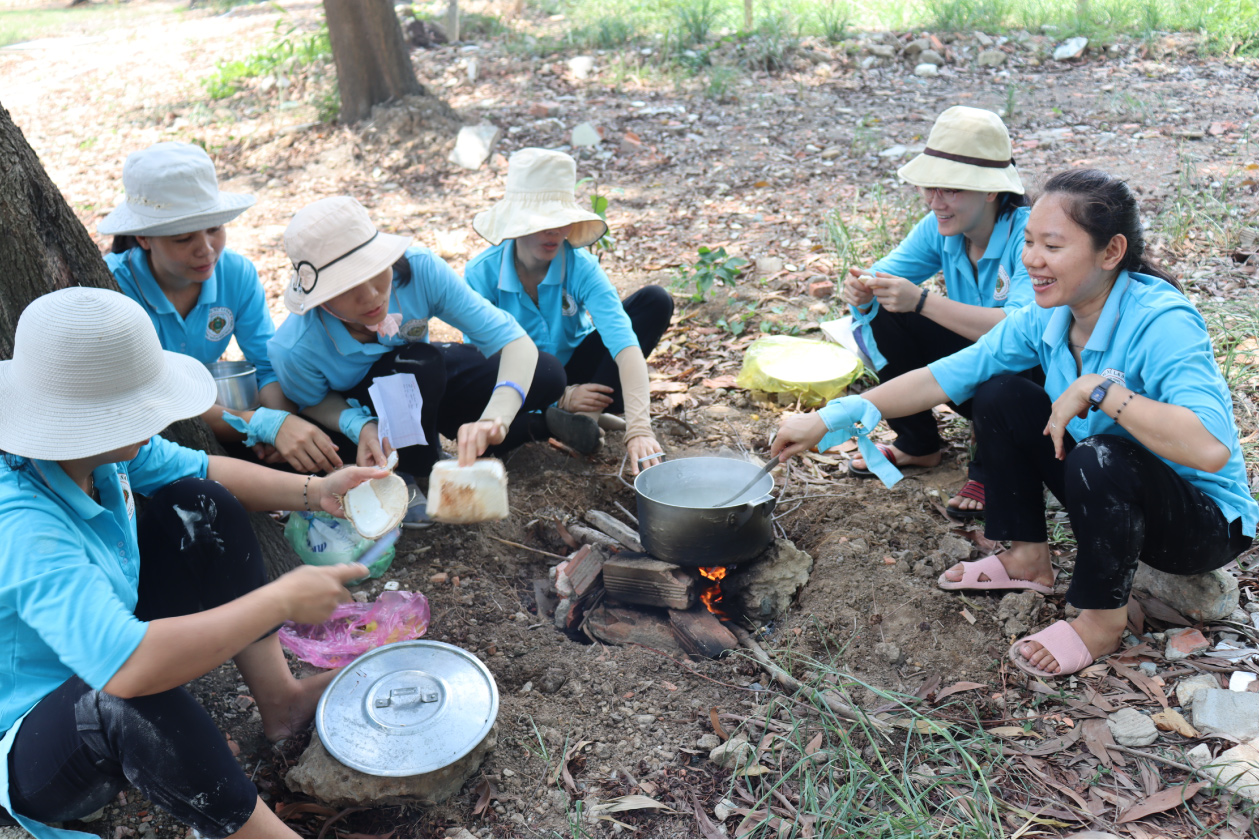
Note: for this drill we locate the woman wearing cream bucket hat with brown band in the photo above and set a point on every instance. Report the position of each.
(105, 615)
(169, 255)
(539, 271)
(361, 300)
(974, 236)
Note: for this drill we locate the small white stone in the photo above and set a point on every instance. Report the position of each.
(1132, 728)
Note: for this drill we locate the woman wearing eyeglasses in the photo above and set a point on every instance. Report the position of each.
(361, 301)
(973, 236)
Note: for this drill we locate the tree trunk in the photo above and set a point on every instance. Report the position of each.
(43, 247)
(373, 62)
(452, 20)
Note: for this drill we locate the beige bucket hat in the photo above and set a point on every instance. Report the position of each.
(172, 189)
(539, 196)
(88, 375)
(968, 149)
(334, 246)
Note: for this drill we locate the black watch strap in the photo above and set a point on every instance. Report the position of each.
(1099, 394)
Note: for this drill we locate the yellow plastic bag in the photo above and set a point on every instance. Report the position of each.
(810, 371)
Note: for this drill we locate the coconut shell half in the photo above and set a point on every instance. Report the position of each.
(376, 507)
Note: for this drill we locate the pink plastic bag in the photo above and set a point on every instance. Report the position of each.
(354, 629)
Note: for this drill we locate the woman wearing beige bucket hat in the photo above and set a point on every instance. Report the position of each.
(539, 271)
(169, 256)
(973, 236)
(104, 615)
(361, 301)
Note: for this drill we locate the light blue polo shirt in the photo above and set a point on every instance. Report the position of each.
(575, 285)
(232, 302)
(69, 572)
(313, 353)
(1150, 339)
(999, 278)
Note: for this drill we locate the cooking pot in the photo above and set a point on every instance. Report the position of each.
(237, 383)
(678, 524)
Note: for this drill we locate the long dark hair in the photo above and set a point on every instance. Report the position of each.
(1009, 202)
(1103, 205)
(123, 242)
(402, 271)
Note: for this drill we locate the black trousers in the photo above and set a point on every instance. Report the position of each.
(650, 309)
(456, 382)
(79, 747)
(1124, 503)
(909, 342)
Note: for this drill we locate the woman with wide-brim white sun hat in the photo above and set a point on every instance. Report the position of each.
(169, 255)
(973, 236)
(538, 270)
(104, 615)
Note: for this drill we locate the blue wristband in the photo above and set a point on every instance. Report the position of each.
(507, 383)
(353, 419)
(856, 417)
(262, 427)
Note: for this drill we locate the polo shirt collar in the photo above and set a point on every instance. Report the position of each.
(154, 298)
(1060, 321)
(346, 344)
(55, 478)
(510, 282)
(956, 246)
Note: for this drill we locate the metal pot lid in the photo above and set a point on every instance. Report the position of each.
(407, 708)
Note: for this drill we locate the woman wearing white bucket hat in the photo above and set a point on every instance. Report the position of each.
(361, 301)
(169, 256)
(974, 236)
(104, 616)
(540, 273)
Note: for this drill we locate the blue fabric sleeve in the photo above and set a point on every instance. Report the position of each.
(481, 273)
(254, 327)
(452, 300)
(1021, 293)
(1010, 347)
(296, 366)
(920, 254)
(160, 462)
(596, 293)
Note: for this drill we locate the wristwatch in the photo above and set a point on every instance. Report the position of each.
(1099, 394)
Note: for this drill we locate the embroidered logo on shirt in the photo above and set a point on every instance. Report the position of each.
(125, 483)
(417, 329)
(219, 326)
(1004, 284)
(1116, 376)
(568, 305)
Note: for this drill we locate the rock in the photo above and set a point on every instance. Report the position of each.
(585, 136)
(890, 653)
(724, 809)
(767, 584)
(991, 58)
(871, 61)
(1236, 768)
(1185, 643)
(474, 145)
(459, 833)
(320, 776)
(917, 46)
(1148, 668)
(708, 741)
(931, 57)
(1204, 597)
(1017, 612)
(983, 39)
(1199, 755)
(1226, 712)
(1189, 688)
(955, 548)
(882, 50)
(822, 289)
(561, 618)
(734, 754)
(894, 151)
(1071, 48)
(769, 265)
(1132, 728)
(926, 71)
(831, 153)
(1238, 681)
(551, 681)
(581, 66)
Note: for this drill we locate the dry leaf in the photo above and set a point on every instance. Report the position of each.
(667, 387)
(957, 687)
(709, 829)
(485, 792)
(717, 727)
(1014, 732)
(814, 744)
(966, 613)
(632, 802)
(754, 770)
(1167, 798)
(1171, 720)
(724, 381)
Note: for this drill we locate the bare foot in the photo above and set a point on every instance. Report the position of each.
(901, 459)
(1100, 630)
(1024, 561)
(965, 503)
(290, 712)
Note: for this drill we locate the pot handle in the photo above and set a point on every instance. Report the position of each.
(736, 519)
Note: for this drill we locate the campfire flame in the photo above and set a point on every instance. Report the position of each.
(712, 593)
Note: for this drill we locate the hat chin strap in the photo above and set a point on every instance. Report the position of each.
(972, 161)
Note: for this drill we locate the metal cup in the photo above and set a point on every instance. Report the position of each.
(238, 384)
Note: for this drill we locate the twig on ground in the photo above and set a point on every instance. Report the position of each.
(529, 548)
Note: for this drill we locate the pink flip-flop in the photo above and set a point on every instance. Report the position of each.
(991, 567)
(1063, 643)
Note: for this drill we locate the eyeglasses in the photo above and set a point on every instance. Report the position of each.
(307, 274)
(939, 192)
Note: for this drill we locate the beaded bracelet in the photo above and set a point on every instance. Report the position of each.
(922, 300)
(1132, 394)
(305, 500)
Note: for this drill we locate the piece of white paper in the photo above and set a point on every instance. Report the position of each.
(398, 401)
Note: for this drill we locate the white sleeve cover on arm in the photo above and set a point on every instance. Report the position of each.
(517, 362)
(632, 368)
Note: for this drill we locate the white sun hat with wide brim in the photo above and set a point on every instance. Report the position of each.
(172, 189)
(89, 375)
(333, 247)
(968, 149)
(539, 195)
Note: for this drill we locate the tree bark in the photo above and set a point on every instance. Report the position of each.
(372, 58)
(43, 247)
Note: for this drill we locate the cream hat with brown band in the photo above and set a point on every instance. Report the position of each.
(968, 149)
(172, 189)
(89, 375)
(333, 247)
(539, 196)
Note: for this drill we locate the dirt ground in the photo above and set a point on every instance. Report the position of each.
(756, 172)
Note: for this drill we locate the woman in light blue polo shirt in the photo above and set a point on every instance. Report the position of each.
(104, 616)
(540, 273)
(361, 303)
(169, 256)
(1133, 431)
(973, 235)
